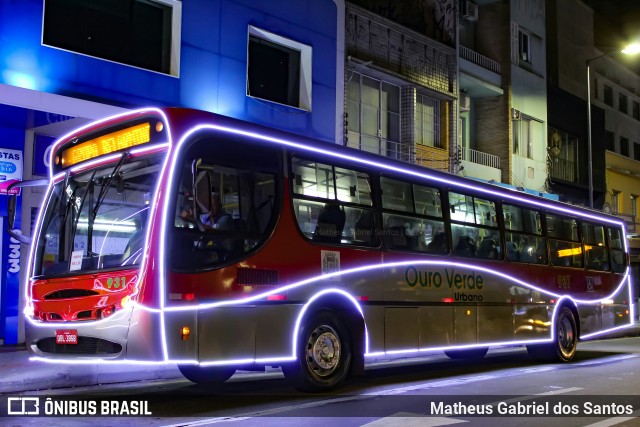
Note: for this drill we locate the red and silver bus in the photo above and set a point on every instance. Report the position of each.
(329, 257)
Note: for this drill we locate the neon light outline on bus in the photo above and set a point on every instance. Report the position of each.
(346, 295)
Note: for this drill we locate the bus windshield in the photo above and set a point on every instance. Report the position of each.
(97, 219)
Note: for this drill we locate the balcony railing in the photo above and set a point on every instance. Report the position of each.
(481, 60)
(386, 148)
(486, 159)
(564, 170)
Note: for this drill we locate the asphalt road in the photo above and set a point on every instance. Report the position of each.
(600, 388)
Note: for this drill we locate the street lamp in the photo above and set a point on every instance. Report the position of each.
(629, 50)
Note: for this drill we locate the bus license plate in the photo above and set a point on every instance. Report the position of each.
(66, 336)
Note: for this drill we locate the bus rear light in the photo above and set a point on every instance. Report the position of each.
(189, 297)
(362, 298)
(185, 333)
(447, 299)
(277, 297)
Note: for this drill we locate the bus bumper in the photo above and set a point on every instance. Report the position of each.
(117, 337)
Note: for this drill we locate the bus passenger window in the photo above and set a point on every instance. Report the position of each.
(618, 261)
(330, 224)
(438, 244)
(364, 228)
(466, 246)
(595, 247)
(488, 248)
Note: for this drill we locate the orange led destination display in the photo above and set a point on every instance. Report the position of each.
(105, 144)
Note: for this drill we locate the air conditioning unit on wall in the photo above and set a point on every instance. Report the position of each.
(469, 10)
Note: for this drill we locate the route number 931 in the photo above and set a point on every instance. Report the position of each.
(116, 282)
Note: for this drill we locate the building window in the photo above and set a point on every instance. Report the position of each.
(609, 140)
(634, 205)
(623, 103)
(140, 33)
(524, 47)
(278, 69)
(608, 95)
(636, 110)
(525, 133)
(427, 121)
(615, 202)
(636, 151)
(563, 152)
(624, 146)
(373, 116)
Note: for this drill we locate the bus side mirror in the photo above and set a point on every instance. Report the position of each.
(11, 207)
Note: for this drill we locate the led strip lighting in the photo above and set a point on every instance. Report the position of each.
(171, 158)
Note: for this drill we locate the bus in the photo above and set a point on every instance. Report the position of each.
(328, 259)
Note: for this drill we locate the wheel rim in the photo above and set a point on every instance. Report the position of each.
(566, 336)
(323, 351)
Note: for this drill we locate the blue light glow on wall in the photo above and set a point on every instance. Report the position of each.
(212, 67)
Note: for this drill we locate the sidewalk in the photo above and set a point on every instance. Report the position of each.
(18, 373)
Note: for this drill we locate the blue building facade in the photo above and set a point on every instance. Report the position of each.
(214, 55)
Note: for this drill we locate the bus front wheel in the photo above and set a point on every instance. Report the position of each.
(565, 340)
(323, 354)
(206, 374)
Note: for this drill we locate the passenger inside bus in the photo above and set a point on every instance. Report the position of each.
(365, 227)
(513, 253)
(217, 218)
(330, 224)
(488, 248)
(465, 246)
(438, 244)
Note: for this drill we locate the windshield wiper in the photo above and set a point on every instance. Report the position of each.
(105, 186)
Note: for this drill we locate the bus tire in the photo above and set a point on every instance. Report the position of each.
(323, 354)
(206, 374)
(470, 354)
(563, 347)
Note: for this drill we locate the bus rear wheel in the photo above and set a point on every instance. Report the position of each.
(470, 354)
(206, 374)
(323, 354)
(565, 340)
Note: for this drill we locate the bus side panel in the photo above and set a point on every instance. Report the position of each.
(275, 328)
(227, 333)
(144, 341)
(374, 321)
(532, 321)
(495, 323)
(465, 327)
(180, 345)
(403, 321)
(590, 318)
(436, 326)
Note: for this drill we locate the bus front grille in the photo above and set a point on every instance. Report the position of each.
(86, 345)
